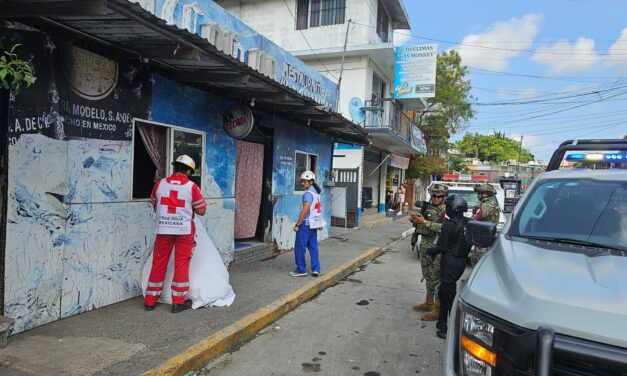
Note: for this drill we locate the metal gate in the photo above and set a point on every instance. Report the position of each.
(349, 178)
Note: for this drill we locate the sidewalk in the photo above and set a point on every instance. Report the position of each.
(123, 339)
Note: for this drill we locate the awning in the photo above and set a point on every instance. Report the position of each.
(134, 33)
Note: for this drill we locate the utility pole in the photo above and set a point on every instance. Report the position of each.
(519, 153)
(339, 80)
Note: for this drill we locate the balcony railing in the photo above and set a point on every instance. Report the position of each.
(386, 113)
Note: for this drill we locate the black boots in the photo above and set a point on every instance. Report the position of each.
(176, 308)
(442, 329)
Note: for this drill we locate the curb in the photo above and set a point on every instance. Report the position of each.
(238, 333)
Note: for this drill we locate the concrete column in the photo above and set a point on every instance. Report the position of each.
(384, 171)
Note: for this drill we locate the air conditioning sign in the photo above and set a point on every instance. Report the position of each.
(414, 72)
(238, 121)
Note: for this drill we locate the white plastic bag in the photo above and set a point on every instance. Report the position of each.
(208, 277)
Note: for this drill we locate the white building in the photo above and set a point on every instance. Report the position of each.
(351, 42)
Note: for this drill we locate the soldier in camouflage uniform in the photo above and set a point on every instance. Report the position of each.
(428, 224)
(487, 211)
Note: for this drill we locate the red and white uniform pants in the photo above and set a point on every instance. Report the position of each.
(183, 249)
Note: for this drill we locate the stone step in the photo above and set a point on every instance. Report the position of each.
(371, 216)
(5, 325)
(385, 221)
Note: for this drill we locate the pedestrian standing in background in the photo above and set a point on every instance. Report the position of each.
(487, 211)
(310, 220)
(400, 198)
(176, 199)
(428, 224)
(453, 249)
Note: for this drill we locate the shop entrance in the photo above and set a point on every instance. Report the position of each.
(253, 184)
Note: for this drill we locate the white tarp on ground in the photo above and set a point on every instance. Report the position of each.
(208, 277)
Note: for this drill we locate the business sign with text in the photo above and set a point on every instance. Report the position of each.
(414, 72)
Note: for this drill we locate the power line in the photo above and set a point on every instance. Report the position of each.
(596, 131)
(552, 122)
(583, 79)
(497, 48)
(563, 109)
(307, 41)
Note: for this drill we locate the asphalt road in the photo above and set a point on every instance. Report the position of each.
(362, 326)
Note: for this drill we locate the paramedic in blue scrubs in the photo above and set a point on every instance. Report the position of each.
(307, 225)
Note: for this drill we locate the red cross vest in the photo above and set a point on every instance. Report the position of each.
(315, 219)
(174, 208)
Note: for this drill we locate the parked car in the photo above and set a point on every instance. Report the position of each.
(550, 296)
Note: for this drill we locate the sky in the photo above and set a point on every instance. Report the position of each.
(546, 70)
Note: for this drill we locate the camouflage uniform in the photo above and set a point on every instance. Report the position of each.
(434, 217)
(489, 211)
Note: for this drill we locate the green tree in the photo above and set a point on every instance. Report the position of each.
(494, 148)
(456, 163)
(447, 113)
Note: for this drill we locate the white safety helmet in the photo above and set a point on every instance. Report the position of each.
(185, 160)
(308, 175)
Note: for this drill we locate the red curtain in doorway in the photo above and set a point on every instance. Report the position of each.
(248, 186)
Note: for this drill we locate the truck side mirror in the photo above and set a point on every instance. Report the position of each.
(418, 204)
(481, 234)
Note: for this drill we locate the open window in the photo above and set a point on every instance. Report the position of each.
(383, 24)
(304, 162)
(155, 146)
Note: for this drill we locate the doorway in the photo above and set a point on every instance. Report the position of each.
(253, 191)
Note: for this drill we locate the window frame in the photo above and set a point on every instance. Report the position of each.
(169, 145)
(382, 86)
(322, 13)
(302, 15)
(382, 15)
(308, 167)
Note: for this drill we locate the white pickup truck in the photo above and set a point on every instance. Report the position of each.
(549, 297)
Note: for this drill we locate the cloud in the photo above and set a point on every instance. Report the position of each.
(401, 37)
(618, 52)
(503, 40)
(565, 56)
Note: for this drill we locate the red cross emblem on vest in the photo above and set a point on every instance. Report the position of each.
(318, 207)
(172, 202)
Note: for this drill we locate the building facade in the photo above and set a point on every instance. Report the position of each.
(108, 114)
(351, 43)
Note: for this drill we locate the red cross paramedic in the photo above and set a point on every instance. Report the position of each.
(175, 200)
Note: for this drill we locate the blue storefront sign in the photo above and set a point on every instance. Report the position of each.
(233, 37)
(418, 141)
(414, 72)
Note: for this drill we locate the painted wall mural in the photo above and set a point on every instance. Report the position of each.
(75, 238)
(288, 139)
(78, 93)
(181, 105)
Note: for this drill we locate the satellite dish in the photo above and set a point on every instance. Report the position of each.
(355, 110)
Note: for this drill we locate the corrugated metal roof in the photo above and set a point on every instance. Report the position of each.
(191, 59)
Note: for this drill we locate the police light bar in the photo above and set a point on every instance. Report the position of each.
(612, 157)
(616, 157)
